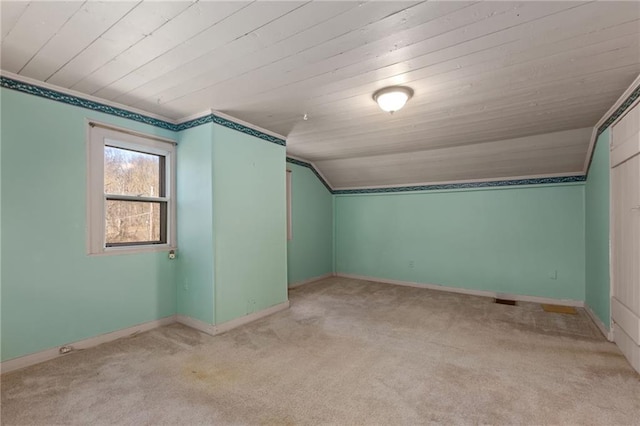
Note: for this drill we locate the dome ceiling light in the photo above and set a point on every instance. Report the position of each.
(393, 98)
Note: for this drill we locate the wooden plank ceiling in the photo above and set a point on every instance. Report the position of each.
(500, 87)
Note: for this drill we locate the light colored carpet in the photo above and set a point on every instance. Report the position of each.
(347, 352)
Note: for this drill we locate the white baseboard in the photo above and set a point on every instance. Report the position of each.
(48, 354)
(228, 325)
(51, 353)
(196, 324)
(603, 328)
(483, 293)
(311, 280)
(214, 329)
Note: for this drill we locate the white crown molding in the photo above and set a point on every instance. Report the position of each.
(231, 118)
(81, 95)
(455, 182)
(614, 107)
(195, 116)
(295, 157)
(247, 124)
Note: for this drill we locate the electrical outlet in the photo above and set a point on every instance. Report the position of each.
(411, 264)
(553, 275)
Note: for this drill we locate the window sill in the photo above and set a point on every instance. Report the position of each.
(152, 248)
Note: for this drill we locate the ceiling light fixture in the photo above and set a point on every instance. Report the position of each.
(393, 98)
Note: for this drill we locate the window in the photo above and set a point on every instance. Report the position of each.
(131, 181)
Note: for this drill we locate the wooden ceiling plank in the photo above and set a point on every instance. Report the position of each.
(131, 29)
(548, 87)
(321, 112)
(39, 22)
(201, 54)
(577, 137)
(83, 28)
(499, 56)
(451, 34)
(279, 75)
(472, 115)
(246, 24)
(186, 25)
(458, 166)
(11, 11)
(457, 109)
(535, 155)
(502, 153)
(340, 49)
(452, 135)
(377, 15)
(532, 75)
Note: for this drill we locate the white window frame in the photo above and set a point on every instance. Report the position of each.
(100, 135)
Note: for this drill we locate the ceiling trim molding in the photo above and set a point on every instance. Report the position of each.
(54, 93)
(69, 97)
(83, 102)
(464, 185)
(625, 102)
(626, 105)
(231, 118)
(33, 82)
(311, 166)
(467, 181)
(213, 118)
(560, 178)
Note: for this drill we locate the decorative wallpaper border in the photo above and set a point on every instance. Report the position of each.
(313, 169)
(82, 103)
(54, 95)
(212, 118)
(468, 185)
(57, 96)
(621, 110)
(439, 187)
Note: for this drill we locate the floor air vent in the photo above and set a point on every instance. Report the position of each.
(559, 309)
(506, 302)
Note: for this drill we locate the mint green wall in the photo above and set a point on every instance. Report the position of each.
(597, 231)
(509, 240)
(249, 219)
(231, 224)
(195, 223)
(52, 292)
(310, 251)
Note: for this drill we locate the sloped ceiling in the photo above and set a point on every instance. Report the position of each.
(502, 89)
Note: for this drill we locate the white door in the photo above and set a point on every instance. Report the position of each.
(625, 242)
